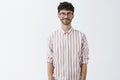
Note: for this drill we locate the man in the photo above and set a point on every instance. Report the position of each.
(67, 49)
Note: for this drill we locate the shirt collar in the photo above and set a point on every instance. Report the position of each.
(66, 32)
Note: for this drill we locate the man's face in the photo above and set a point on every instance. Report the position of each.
(66, 16)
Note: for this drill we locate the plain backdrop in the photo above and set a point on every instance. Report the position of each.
(26, 24)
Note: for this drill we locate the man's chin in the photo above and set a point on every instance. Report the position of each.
(66, 23)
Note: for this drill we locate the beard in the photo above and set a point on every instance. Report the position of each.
(66, 21)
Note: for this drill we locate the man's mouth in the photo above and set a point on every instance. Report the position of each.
(65, 19)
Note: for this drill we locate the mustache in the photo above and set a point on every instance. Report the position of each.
(65, 19)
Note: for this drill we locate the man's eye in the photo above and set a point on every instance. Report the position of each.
(63, 13)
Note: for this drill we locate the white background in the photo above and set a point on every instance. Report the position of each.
(26, 24)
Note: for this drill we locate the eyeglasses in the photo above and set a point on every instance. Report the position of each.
(64, 14)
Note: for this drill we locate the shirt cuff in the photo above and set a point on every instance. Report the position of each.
(50, 60)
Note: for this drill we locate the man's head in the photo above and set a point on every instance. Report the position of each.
(65, 12)
(65, 6)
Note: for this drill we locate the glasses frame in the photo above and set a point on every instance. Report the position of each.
(63, 14)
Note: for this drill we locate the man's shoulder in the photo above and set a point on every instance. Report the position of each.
(78, 31)
(53, 33)
(81, 33)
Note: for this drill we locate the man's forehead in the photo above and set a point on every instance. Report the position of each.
(66, 11)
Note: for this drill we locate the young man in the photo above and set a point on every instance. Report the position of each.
(67, 49)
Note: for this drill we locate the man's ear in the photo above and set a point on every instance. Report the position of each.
(73, 15)
(58, 15)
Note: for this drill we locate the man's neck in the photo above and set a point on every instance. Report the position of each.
(66, 27)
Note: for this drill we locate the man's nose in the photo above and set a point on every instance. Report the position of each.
(66, 16)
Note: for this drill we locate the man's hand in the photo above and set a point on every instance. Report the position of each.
(83, 71)
(50, 71)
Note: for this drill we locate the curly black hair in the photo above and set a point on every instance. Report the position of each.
(65, 6)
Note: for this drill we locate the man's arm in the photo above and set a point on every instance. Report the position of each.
(83, 71)
(84, 57)
(50, 58)
(50, 71)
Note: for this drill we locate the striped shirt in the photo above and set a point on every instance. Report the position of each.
(67, 51)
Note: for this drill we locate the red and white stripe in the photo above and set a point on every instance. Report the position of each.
(67, 51)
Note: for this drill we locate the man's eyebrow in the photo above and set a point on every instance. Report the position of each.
(65, 12)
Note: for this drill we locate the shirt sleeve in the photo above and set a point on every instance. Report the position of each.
(49, 50)
(84, 50)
